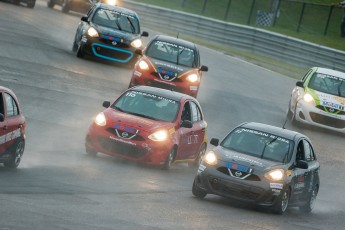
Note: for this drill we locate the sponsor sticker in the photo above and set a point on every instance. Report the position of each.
(137, 73)
(193, 88)
(201, 168)
(276, 185)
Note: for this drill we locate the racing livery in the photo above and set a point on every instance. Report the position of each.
(319, 99)
(261, 164)
(169, 63)
(150, 125)
(110, 33)
(12, 129)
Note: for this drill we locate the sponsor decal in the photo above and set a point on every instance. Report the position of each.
(251, 161)
(263, 134)
(123, 141)
(332, 105)
(169, 66)
(134, 93)
(10, 136)
(193, 88)
(276, 185)
(238, 167)
(192, 139)
(340, 99)
(137, 73)
(201, 168)
(299, 185)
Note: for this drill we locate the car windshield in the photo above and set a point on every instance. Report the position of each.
(327, 84)
(147, 105)
(259, 144)
(116, 20)
(170, 52)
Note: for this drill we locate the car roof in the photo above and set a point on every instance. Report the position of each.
(330, 72)
(177, 41)
(285, 133)
(173, 95)
(118, 9)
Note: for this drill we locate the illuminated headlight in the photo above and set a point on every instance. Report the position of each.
(110, 2)
(192, 78)
(275, 175)
(211, 158)
(136, 43)
(161, 135)
(143, 65)
(100, 119)
(92, 32)
(308, 98)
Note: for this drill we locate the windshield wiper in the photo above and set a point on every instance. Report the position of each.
(267, 144)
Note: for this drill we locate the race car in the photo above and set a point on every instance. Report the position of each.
(169, 63)
(319, 99)
(263, 165)
(82, 6)
(12, 129)
(110, 33)
(150, 125)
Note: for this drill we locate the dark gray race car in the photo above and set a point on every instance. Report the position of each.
(262, 164)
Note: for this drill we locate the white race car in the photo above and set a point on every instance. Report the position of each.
(319, 99)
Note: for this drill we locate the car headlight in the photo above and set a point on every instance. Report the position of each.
(308, 98)
(211, 158)
(92, 32)
(143, 65)
(275, 175)
(136, 43)
(100, 119)
(161, 135)
(192, 78)
(110, 2)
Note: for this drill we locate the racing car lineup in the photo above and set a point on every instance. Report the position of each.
(158, 120)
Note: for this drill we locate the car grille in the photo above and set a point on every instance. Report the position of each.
(250, 177)
(170, 78)
(336, 111)
(236, 190)
(328, 121)
(111, 53)
(121, 148)
(130, 136)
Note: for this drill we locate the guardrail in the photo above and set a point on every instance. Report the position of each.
(258, 41)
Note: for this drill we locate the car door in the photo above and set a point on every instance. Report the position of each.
(301, 177)
(198, 131)
(186, 137)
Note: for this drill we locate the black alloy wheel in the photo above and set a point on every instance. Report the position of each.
(16, 156)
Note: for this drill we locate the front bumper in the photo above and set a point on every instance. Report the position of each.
(138, 149)
(104, 49)
(216, 182)
(178, 85)
(309, 114)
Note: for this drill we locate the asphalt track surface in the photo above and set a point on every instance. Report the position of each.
(58, 187)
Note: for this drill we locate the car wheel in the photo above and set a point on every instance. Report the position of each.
(170, 159)
(198, 160)
(65, 6)
(308, 207)
(289, 114)
(16, 155)
(90, 152)
(51, 3)
(31, 4)
(197, 192)
(80, 52)
(282, 202)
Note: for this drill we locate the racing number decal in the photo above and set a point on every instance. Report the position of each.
(192, 139)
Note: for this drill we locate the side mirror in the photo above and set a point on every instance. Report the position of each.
(299, 84)
(106, 104)
(302, 164)
(144, 34)
(2, 117)
(204, 68)
(187, 124)
(214, 141)
(139, 51)
(85, 19)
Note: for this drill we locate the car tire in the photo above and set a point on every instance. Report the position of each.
(16, 154)
(169, 160)
(31, 4)
(65, 6)
(90, 152)
(80, 52)
(51, 3)
(197, 192)
(289, 114)
(198, 160)
(308, 207)
(282, 202)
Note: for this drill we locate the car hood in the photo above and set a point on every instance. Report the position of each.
(117, 35)
(168, 68)
(328, 100)
(256, 163)
(133, 123)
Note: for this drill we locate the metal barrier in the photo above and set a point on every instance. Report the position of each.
(273, 45)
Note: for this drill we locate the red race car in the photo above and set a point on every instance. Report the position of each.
(12, 129)
(150, 125)
(169, 63)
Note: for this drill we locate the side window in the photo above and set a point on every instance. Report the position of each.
(2, 104)
(196, 114)
(300, 151)
(308, 151)
(11, 106)
(186, 113)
